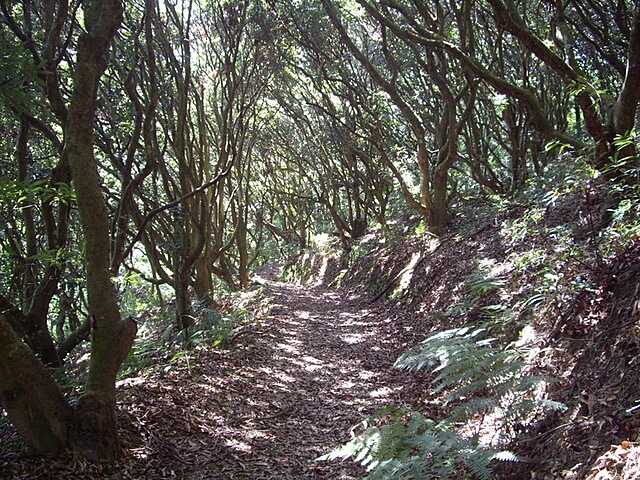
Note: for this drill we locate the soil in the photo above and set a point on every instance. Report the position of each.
(285, 391)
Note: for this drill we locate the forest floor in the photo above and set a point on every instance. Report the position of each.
(285, 391)
(314, 361)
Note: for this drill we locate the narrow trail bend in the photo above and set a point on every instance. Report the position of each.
(285, 393)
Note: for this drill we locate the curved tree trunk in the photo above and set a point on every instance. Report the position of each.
(30, 395)
(623, 117)
(93, 432)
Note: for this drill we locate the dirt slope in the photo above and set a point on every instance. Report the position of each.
(548, 273)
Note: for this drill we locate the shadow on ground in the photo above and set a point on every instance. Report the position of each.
(265, 407)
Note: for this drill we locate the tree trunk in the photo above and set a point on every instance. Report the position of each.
(37, 296)
(203, 282)
(32, 329)
(439, 212)
(30, 396)
(27, 391)
(508, 19)
(94, 432)
(243, 251)
(624, 110)
(425, 179)
(181, 288)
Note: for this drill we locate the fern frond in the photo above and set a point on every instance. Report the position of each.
(484, 378)
(479, 284)
(439, 347)
(480, 379)
(416, 449)
(472, 407)
(479, 461)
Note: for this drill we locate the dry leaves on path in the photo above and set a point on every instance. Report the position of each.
(266, 406)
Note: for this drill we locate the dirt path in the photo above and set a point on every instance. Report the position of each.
(312, 368)
(283, 393)
(316, 365)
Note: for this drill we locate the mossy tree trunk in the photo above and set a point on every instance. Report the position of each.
(623, 118)
(28, 393)
(93, 432)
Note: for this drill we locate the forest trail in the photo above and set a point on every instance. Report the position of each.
(311, 370)
(285, 392)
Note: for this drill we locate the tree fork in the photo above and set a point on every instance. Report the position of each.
(94, 433)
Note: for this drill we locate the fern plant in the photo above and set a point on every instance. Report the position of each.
(395, 444)
(489, 392)
(479, 376)
(481, 289)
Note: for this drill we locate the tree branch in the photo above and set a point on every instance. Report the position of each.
(172, 204)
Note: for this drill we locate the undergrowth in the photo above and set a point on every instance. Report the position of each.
(491, 398)
(540, 263)
(549, 247)
(395, 444)
(215, 324)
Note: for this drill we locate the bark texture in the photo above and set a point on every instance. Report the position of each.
(30, 396)
(94, 432)
(624, 110)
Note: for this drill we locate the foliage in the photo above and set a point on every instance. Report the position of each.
(142, 355)
(216, 328)
(395, 444)
(624, 227)
(491, 397)
(227, 134)
(215, 324)
(15, 193)
(480, 376)
(624, 164)
(481, 294)
(18, 77)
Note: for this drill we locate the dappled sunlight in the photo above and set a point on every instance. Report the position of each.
(367, 375)
(353, 338)
(209, 387)
(306, 366)
(238, 445)
(355, 322)
(345, 385)
(322, 271)
(278, 375)
(289, 348)
(290, 321)
(273, 402)
(312, 361)
(407, 273)
(382, 392)
(130, 382)
(358, 315)
(313, 368)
